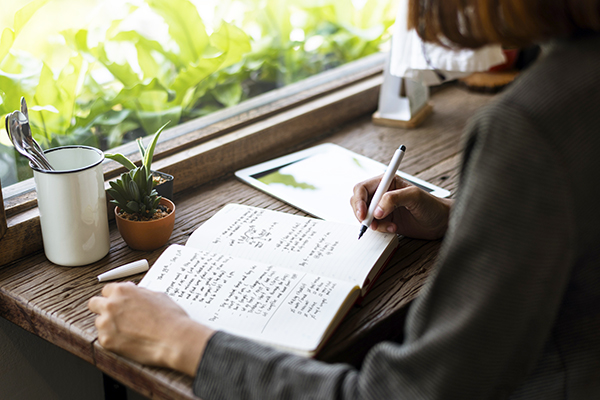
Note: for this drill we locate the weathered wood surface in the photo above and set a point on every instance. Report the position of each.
(51, 301)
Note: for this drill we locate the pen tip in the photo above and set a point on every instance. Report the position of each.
(403, 148)
(363, 229)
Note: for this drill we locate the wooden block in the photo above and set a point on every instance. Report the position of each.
(489, 81)
(415, 121)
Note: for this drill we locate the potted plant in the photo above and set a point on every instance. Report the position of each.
(163, 183)
(144, 218)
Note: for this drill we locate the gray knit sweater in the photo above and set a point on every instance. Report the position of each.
(512, 309)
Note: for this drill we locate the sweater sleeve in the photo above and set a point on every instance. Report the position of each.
(480, 324)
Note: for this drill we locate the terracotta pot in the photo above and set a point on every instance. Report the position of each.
(147, 235)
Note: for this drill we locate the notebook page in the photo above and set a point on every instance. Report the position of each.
(304, 244)
(282, 307)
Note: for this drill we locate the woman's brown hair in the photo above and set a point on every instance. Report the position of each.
(516, 23)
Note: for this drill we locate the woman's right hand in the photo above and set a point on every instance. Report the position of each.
(404, 209)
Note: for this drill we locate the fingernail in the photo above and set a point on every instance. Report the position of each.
(391, 229)
(378, 212)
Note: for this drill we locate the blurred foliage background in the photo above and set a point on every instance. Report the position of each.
(104, 72)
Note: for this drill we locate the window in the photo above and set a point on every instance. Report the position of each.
(296, 107)
(104, 72)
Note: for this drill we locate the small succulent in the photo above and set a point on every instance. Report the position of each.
(134, 193)
(134, 190)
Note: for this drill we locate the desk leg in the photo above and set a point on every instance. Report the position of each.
(113, 390)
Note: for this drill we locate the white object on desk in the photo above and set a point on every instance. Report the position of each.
(403, 102)
(412, 66)
(125, 270)
(72, 205)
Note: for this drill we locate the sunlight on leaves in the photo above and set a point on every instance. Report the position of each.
(131, 69)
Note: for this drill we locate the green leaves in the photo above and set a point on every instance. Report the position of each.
(6, 41)
(133, 192)
(148, 153)
(121, 159)
(166, 84)
(54, 99)
(98, 94)
(229, 94)
(21, 18)
(185, 27)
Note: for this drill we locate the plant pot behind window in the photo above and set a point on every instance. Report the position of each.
(165, 187)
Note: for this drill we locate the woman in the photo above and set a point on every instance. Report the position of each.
(512, 309)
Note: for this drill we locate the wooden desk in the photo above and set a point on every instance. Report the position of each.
(51, 301)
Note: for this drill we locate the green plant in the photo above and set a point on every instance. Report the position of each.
(146, 152)
(81, 90)
(133, 192)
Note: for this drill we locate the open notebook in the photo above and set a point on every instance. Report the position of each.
(278, 278)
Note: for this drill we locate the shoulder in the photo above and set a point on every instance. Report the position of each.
(561, 89)
(552, 105)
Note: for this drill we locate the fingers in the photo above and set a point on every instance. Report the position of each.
(110, 288)
(384, 226)
(406, 197)
(361, 194)
(364, 190)
(400, 195)
(106, 331)
(360, 209)
(98, 304)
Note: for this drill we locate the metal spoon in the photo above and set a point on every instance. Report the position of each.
(29, 141)
(17, 133)
(27, 130)
(18, 143)
(24, 107)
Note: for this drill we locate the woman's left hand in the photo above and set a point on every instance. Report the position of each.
(148, 327)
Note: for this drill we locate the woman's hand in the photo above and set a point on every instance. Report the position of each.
(404, 209)
(148, 327)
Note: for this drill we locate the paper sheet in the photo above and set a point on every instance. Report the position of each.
(303, 244)
(273, 305)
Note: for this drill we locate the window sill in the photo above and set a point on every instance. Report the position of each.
(197, 152)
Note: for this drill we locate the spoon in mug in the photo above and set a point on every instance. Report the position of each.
(24, 109)
(27, 129)
(30, 143)
(17, 141)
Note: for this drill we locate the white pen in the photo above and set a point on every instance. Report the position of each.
(382, 188)
(125, 270)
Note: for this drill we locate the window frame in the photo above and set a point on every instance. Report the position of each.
(266, 126)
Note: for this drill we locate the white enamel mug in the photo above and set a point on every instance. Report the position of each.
(72, 206)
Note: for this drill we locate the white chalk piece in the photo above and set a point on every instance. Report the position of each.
(125, 270)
